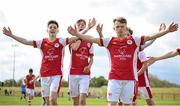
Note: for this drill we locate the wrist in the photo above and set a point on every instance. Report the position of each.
(11, 35)
(167, 31)
(89, 27)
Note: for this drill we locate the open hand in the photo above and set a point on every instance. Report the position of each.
(173, 27)
(72, 31)
(7, 31)
(99, 29)
(162, 27)
(91, 23)
(86, 69)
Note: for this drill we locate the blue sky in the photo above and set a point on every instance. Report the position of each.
(28, 19)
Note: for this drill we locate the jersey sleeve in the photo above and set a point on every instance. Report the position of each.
(105, 41)
(64, 41)
(91, 50)
(37, 44)
(139, 41)
(142, 56)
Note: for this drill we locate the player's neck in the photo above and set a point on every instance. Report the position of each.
(52, 38)
(122, 36)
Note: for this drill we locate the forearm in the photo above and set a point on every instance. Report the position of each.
(36, 78)
(89, 38)
(100, 34)
(143, 69)
(147, 44)
(22, 40)
(167, 55)
(90, 62)
(85, 30)
(155, 35)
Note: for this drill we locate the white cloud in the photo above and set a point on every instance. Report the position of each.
(164, 11)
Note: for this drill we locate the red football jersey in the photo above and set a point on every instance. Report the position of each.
(28, 79)
(52, 56)
(123, 56)
(79, 58)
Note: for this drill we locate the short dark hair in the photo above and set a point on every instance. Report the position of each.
(81, 20)
(120, 19)
(130, 31)
(53, 22)
(30, 70)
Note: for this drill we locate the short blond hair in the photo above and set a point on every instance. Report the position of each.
(120, 19)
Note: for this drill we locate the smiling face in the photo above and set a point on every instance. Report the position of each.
(52, 30)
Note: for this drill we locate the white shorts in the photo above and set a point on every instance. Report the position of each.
(122, 90)
(30, 91)
(78, 84)
(145, 92)
(50, 84)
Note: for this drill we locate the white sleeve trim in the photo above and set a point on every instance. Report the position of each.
(39, 43)
(137, 40)
(106, 41)
(142, 56)
(63, 41)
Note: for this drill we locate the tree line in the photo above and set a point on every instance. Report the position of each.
(96, 82)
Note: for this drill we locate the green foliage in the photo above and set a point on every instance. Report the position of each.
(98, 82)
(155, 82)
(10, 82)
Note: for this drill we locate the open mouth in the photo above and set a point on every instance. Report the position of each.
(80, 29)
(52, 32)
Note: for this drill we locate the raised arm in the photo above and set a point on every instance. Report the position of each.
(165, 56)
(99, 30)
(9, 33)
(147, 44)
(88, 38)
(91, 24)
(161, 28)
(172, 28)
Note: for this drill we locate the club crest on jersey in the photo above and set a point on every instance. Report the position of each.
(129, 42)
(56, 45)
(88, 44)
